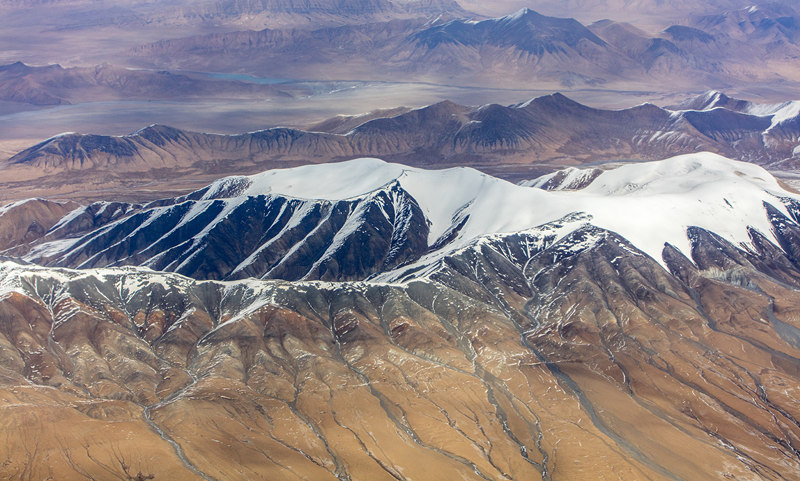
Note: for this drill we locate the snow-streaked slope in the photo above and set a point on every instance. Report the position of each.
(571, 178)
(778, 113)
(649, 204)
(337, 181)
(237, 298)
(315, 222)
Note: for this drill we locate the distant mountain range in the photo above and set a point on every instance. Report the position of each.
(717, 45)
(752, 46)
(89, 14)
(512, 141)
(651, 12)
(732, 48)
(104, 12)
(54, 85)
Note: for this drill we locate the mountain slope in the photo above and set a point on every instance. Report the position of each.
(513, 47)
(366, 218)
(509, 358)
(635, 323)
(510, 140)
(55, 85)
(28, 220)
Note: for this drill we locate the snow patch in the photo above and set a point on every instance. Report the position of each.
(50, 249)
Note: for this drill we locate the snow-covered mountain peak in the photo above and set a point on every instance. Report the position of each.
(680, 175)
(654, 203)
(326, 181)
(650, 203)
(713, 100)
(518, 15)
(318, 221)
(440, 193)
(334, 181)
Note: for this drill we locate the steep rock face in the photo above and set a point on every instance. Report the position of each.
(220, 237)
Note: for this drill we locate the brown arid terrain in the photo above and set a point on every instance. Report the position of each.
(217, 279)
(557, 364)
(558, 352)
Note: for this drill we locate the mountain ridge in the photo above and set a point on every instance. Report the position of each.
(640, 321)
(539, 349)
(52, 85)
(735, 48)
(371, 219)
(621, 302)
(543, 132)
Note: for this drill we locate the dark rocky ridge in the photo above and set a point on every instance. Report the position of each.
(262, 236)
(506, 140)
